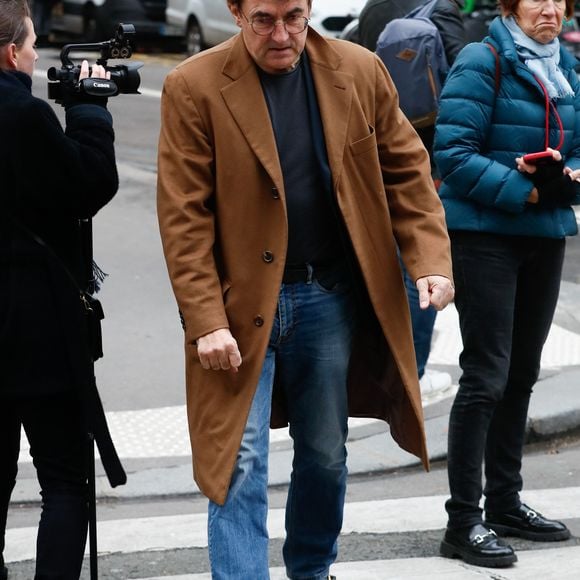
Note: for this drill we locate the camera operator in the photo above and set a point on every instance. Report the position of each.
(50, 180)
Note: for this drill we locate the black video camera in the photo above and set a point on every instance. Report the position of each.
(124, 79)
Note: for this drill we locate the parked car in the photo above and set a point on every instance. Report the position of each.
(330, 17)
(95, 20)
(203, 23)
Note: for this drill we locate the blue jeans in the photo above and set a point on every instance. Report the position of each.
(422, 322)
(309, 351)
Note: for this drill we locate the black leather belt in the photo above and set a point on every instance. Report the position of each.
(302, 273)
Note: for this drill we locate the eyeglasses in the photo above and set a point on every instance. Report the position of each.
(265, 25)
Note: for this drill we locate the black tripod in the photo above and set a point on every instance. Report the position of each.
(97, 429)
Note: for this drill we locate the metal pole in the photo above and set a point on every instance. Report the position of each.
(92, 508)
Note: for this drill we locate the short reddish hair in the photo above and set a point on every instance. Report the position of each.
(508, 7)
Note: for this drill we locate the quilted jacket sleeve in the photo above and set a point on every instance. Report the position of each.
(465, 117)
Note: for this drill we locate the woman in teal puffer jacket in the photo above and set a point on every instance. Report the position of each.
(513, 94)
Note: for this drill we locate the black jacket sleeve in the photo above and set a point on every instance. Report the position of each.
(74, 170)
(447, 17)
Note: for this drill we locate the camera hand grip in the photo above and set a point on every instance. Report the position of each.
(96, 87)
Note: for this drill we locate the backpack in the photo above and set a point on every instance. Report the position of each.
(412, 50)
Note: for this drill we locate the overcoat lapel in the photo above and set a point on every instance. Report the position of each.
(334, 90)
(245, 100)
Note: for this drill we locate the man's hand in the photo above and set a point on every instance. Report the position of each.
(219, 350)
(435, 290)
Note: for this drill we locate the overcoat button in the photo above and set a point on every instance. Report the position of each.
(275, 193)
(259, 321)
(268, 257)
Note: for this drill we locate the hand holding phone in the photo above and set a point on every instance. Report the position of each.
(553, 184)
(540, 158)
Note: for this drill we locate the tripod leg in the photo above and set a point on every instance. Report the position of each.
(92, 508)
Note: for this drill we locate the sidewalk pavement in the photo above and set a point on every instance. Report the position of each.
(554, 411)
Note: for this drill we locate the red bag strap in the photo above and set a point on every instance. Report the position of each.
(497, 67)
(548, 103)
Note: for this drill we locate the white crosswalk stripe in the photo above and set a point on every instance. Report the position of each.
(562, 347)
(552, 564)
(365, 517)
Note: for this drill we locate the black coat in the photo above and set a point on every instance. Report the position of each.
(49, 179)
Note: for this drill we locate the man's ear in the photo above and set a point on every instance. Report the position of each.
(235, 13)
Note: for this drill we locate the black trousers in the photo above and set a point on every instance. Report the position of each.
(55, 430)
(506, 293)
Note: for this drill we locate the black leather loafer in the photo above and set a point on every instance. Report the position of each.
(524, 522)
(478, 546)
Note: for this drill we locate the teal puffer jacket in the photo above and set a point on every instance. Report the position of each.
(482, 128)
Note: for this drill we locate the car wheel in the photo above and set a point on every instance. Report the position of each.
(193, 38)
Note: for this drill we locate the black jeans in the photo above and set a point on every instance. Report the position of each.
(54, 428)
(506, 293)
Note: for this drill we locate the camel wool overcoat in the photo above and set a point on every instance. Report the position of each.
(224, 229)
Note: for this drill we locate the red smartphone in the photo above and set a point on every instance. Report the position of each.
(539, 158)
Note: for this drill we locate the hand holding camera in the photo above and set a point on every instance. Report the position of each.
(97, 71)
(94, 75)
(74, 84)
